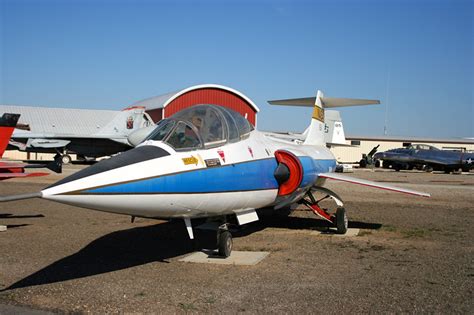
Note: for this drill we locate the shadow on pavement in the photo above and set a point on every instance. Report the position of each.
(11, 216)
(157, 243)
(297, 223)
(12, 226)
(115, 251)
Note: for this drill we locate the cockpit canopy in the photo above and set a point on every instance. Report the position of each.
(421, 147)
(201, 126)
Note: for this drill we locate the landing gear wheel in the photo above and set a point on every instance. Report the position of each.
(65, 159)
(342, 223)
(224, 243)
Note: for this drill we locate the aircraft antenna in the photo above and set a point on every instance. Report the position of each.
(387, 95)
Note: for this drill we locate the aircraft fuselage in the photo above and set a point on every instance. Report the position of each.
(154, 180)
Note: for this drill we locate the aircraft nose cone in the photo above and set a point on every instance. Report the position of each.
(136, 155)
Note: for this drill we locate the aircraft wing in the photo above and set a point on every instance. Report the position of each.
(14, 175)
(4, 165)
(11, 170)
(369, 183)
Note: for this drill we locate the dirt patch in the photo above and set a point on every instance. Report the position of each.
(412, 255)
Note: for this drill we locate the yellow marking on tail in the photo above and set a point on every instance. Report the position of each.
(318, 113)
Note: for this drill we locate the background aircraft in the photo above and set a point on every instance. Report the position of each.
(208, 161)
(88, 133)
(11, 170)
(422, 156)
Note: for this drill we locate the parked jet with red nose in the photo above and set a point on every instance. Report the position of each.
(209, 161)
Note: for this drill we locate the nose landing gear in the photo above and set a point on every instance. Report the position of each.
(224, 237)
(224, 242)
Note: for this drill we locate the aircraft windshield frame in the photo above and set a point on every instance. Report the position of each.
(162, 130)
(216, 125)
(201, 126)
(423, 147)
(187, 139)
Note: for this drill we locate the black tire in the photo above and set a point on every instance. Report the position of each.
(377, 163)
(362, 163)
(342, 223)
(224, 243)
(66, 159)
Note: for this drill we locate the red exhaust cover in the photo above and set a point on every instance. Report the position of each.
(296, 172)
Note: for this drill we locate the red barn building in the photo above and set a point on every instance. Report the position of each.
(164, 106)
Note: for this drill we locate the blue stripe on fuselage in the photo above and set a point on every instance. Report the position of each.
(311, 169)
(246, 176)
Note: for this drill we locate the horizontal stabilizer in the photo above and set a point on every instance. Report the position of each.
(327, 102)
(307, 101)
(369, 183)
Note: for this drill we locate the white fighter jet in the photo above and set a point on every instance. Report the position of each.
(209, 161)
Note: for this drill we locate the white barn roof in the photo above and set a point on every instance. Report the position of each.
(47, 120)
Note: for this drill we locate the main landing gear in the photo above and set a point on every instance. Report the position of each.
(338, 219)
(64, 157)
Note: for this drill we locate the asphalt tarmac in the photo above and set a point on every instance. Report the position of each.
(412, 255)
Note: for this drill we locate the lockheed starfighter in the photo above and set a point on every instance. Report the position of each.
(208, 161)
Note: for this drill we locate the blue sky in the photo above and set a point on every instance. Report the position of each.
(417, 56)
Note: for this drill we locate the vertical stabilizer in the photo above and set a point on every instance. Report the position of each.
(315, 134)
(126, 122)
(7, 125)
(334, 130)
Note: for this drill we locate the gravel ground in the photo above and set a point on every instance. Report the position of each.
(413, 255)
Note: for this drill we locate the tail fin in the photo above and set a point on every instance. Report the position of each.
(7, 125)
(318, 127)
(334, 131)
(127, 121)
